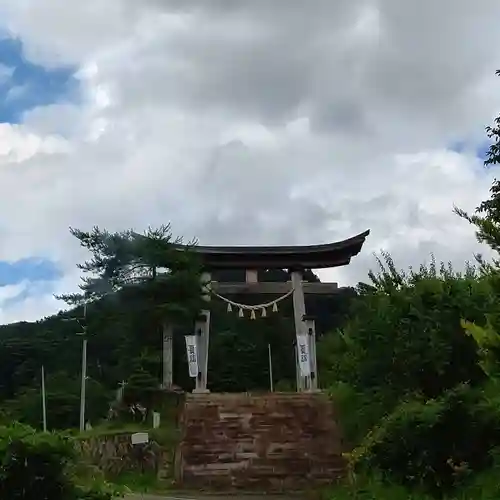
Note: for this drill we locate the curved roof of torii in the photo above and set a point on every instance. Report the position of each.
(327, 255)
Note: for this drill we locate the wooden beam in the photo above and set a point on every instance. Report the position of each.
(272, 288)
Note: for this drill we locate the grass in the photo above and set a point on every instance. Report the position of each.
(140, 483)
(107, 430)
(484, 486)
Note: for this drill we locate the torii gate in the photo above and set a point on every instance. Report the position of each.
(294, 258)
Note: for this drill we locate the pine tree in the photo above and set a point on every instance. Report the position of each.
(152, 275)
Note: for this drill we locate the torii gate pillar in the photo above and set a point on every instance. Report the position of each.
(202, 332)
(299, 311)
(304, 329)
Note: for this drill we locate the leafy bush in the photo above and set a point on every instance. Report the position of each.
(436, 444)
(357, 410)
(95, 493)
(486, 485)
(404, 338)
(483, 486)
(63, 403)
(373, 487)
(488, 347)
(35, 466)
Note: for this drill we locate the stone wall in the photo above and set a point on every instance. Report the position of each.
(115, 455)
(274, 442)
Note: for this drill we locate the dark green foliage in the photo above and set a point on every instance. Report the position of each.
(487, 340)
(239, 346)
(133, 284)
(124, 343)
(95, 494)
(485, 485)
(415, 371)
(35, 466)
(238, 359)
(405, 341)
(63, 402)
(435, 445)
(374, 487)
(404, 337)
(154, 275)
(141, 384)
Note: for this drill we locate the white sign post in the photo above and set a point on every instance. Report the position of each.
(303, 354)
(192, 355)
(156, 420)
(139, 438)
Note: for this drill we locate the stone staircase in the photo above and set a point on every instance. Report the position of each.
(273, 442)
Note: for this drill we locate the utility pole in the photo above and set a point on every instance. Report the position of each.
(44, 402)
(84, 369)
(83, 387)
(271, 384)
(83, 333)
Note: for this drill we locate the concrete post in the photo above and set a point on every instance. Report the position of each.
(168, 349)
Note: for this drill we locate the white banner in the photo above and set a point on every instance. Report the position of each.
(192, 355)
(303, 355)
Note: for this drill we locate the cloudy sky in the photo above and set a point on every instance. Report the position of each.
(241, 122)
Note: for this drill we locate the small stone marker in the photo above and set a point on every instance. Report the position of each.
(156, 420)
(139, 438)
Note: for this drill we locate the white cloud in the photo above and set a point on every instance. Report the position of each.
(254, 122)
(31, 301)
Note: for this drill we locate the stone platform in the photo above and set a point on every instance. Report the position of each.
(274, 442)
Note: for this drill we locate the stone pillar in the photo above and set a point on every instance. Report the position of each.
(299, 311)
(167, 379)
(311, 330)
(202, 331)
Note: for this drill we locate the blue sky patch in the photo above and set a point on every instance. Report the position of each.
(24, 85)
(482, 150)
(35, 289)
(458, 146)
(31, 269)
(479, 150)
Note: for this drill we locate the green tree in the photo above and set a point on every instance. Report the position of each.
(404, 337)
(63, 402)
(153, 265)
(40, 466)
(488, 347)
(152, 276)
